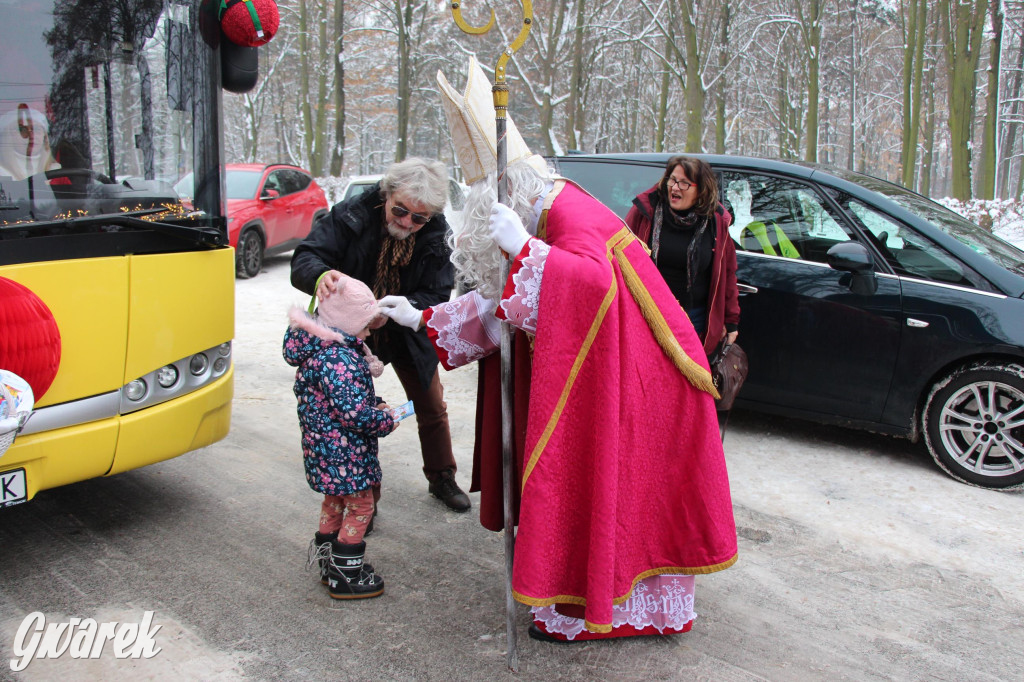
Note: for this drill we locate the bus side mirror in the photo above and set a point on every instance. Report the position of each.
(239, 67)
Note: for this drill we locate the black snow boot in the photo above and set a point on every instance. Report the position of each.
(320, 553)
(348, 577)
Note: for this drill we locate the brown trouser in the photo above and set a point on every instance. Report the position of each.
(431, 418)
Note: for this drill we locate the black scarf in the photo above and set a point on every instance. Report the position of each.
(686, 220)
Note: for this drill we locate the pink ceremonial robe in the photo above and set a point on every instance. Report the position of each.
(622, 473)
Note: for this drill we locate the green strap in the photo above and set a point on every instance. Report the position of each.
(312, 301)
(255, 17)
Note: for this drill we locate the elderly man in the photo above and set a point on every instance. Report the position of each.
(623, 491)
(392, 237)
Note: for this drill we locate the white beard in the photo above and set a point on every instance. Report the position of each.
(397, 232)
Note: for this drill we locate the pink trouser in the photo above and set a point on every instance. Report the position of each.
(348, 515)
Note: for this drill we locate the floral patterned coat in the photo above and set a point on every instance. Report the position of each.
(337, 414)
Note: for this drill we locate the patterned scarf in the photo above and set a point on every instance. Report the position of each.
(394, 255)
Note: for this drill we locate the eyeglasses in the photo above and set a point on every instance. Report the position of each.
(681, 184)
(417, 218)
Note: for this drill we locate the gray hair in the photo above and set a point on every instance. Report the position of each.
(422, 180)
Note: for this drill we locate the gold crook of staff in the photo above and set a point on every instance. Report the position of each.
(524, 31)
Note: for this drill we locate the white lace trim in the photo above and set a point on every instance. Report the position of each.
(467, 329)
(664, 601)
(522, 307)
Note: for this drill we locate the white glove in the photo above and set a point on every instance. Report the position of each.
(507, 229)
(401, 311)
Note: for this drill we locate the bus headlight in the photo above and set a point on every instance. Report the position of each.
(199, 364)
(176, 379)
(135, 390)
(167, 376)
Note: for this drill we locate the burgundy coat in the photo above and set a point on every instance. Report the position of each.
(723, 301)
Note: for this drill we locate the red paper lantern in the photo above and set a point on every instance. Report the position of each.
(249, 23)
(29, 337)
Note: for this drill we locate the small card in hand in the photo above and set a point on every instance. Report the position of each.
(402, 411)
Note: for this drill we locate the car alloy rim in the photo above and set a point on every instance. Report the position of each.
(982, 428)
(252, 255)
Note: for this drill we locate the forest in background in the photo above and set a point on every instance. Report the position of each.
(925, 94)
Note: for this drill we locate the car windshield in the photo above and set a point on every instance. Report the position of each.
(356, 189)
(950, 222)
(242, 184)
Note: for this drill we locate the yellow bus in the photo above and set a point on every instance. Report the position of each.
(116, 303)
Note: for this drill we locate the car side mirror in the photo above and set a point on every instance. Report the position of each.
(854, 258)
(269, 194)
(850, 257)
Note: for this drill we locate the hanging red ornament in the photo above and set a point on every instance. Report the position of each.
(29, 337)
(249, 23)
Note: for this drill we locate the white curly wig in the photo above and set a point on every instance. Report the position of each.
(478, 260)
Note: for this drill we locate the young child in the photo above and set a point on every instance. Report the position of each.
(341, 420)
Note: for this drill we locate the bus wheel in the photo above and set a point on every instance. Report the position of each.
(249, 254)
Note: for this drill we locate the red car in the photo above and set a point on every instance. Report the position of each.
(271, 208)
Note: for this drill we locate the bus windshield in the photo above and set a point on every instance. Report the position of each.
(96, 111)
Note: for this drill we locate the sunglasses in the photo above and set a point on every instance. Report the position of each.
(417, 218)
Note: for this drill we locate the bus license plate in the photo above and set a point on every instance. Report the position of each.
(12, 487)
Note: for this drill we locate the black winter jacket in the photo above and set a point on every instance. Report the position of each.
(349, 238)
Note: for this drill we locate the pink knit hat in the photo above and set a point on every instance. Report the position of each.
(351, 307)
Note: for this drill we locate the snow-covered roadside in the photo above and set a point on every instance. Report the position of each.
(1005, 217)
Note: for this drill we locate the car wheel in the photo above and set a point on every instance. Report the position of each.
(249, 254)
(974, 425)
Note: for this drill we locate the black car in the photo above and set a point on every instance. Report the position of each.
(864, 304)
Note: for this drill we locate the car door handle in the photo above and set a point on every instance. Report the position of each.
(917, 324)
(745, 289)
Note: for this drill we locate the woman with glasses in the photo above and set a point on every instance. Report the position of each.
(687, 230)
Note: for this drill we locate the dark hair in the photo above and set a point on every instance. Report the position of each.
(700, 173)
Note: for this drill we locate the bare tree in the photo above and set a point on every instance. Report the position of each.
(962, 23)
(914, 19)
(989, 150)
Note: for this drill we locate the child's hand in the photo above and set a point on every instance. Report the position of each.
(386, 408)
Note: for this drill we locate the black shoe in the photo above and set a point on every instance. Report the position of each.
(448, 491)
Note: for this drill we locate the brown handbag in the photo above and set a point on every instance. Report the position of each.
(728, 371)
